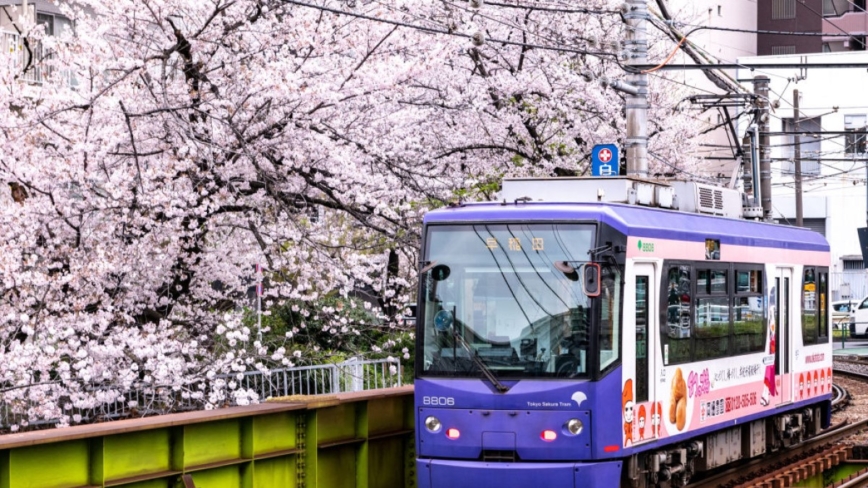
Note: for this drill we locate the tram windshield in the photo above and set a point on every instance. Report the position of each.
(512, 301)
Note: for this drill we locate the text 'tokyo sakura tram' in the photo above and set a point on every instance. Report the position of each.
(614, 331)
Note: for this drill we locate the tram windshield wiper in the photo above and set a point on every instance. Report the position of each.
(474, 356)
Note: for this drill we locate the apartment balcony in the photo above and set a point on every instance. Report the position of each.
(853, 22)
(36, 60)
(12, 46)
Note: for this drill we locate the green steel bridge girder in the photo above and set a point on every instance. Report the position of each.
(349, 440)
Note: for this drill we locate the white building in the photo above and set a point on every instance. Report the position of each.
(716, 46)
(834, 114)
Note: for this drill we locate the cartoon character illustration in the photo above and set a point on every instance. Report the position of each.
(678, 400)
(641, 422)
(829, 378)
(815, 382)
(801, 386)
(627, 406)
(822, 381)
(656, 414)
(769, 389)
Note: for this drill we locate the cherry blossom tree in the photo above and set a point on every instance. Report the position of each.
(175, 144)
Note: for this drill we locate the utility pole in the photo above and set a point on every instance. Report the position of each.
(636, 47)
(797, 157)
(761, 90)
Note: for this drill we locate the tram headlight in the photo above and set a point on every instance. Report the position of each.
(433, 424)
(574, 426)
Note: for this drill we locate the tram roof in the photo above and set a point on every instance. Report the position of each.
(645, 222)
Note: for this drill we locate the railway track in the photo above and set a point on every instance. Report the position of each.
(854, 368)
(801, 461)
(858, 481)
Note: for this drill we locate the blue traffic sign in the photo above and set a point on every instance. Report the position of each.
(604, 160)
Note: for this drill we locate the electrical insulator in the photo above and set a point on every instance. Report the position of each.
(478, 39)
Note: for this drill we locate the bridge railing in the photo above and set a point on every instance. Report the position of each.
(351, 375)
(17, 405)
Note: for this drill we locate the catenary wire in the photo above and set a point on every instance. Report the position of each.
(431, 30)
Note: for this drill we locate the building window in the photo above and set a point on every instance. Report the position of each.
(853, 265)
(809, 144)
(55, 25)
(783, 9)
(47, 21)
(779, 50)
(855, 126)
(856, 43)
(829, 9)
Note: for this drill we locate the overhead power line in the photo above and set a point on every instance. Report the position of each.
(760, 31)
(431, 30)
(556, 10)
(812, 133)
(751, 66)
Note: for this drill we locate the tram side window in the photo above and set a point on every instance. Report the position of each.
(815, 320)
(610, 326)
(822, 304)
(748, 312)
(809, 305)
(642, 338)
(678, 327)
(712, 315)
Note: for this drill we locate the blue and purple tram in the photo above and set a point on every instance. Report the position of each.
(576, 343)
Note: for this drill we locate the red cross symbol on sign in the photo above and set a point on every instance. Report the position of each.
(605, 155)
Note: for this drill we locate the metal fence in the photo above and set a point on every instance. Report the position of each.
(18, 405)
(351, 375)
(35, 58)
(848, 285)
(12, 44)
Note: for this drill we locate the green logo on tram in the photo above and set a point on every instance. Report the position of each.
(646, 246)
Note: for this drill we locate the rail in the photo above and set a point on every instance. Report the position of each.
(840, 397)
(737, 474)
(857, 481)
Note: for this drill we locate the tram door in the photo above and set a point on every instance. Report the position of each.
(647, 300)
(783, 334)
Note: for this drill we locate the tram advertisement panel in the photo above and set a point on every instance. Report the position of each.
(709, 395)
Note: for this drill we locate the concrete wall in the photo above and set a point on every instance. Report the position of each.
(808, 18)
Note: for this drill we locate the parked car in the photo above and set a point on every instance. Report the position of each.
(859, 318)
(841, 312)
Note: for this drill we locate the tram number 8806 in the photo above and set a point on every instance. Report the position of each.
(438, 401)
